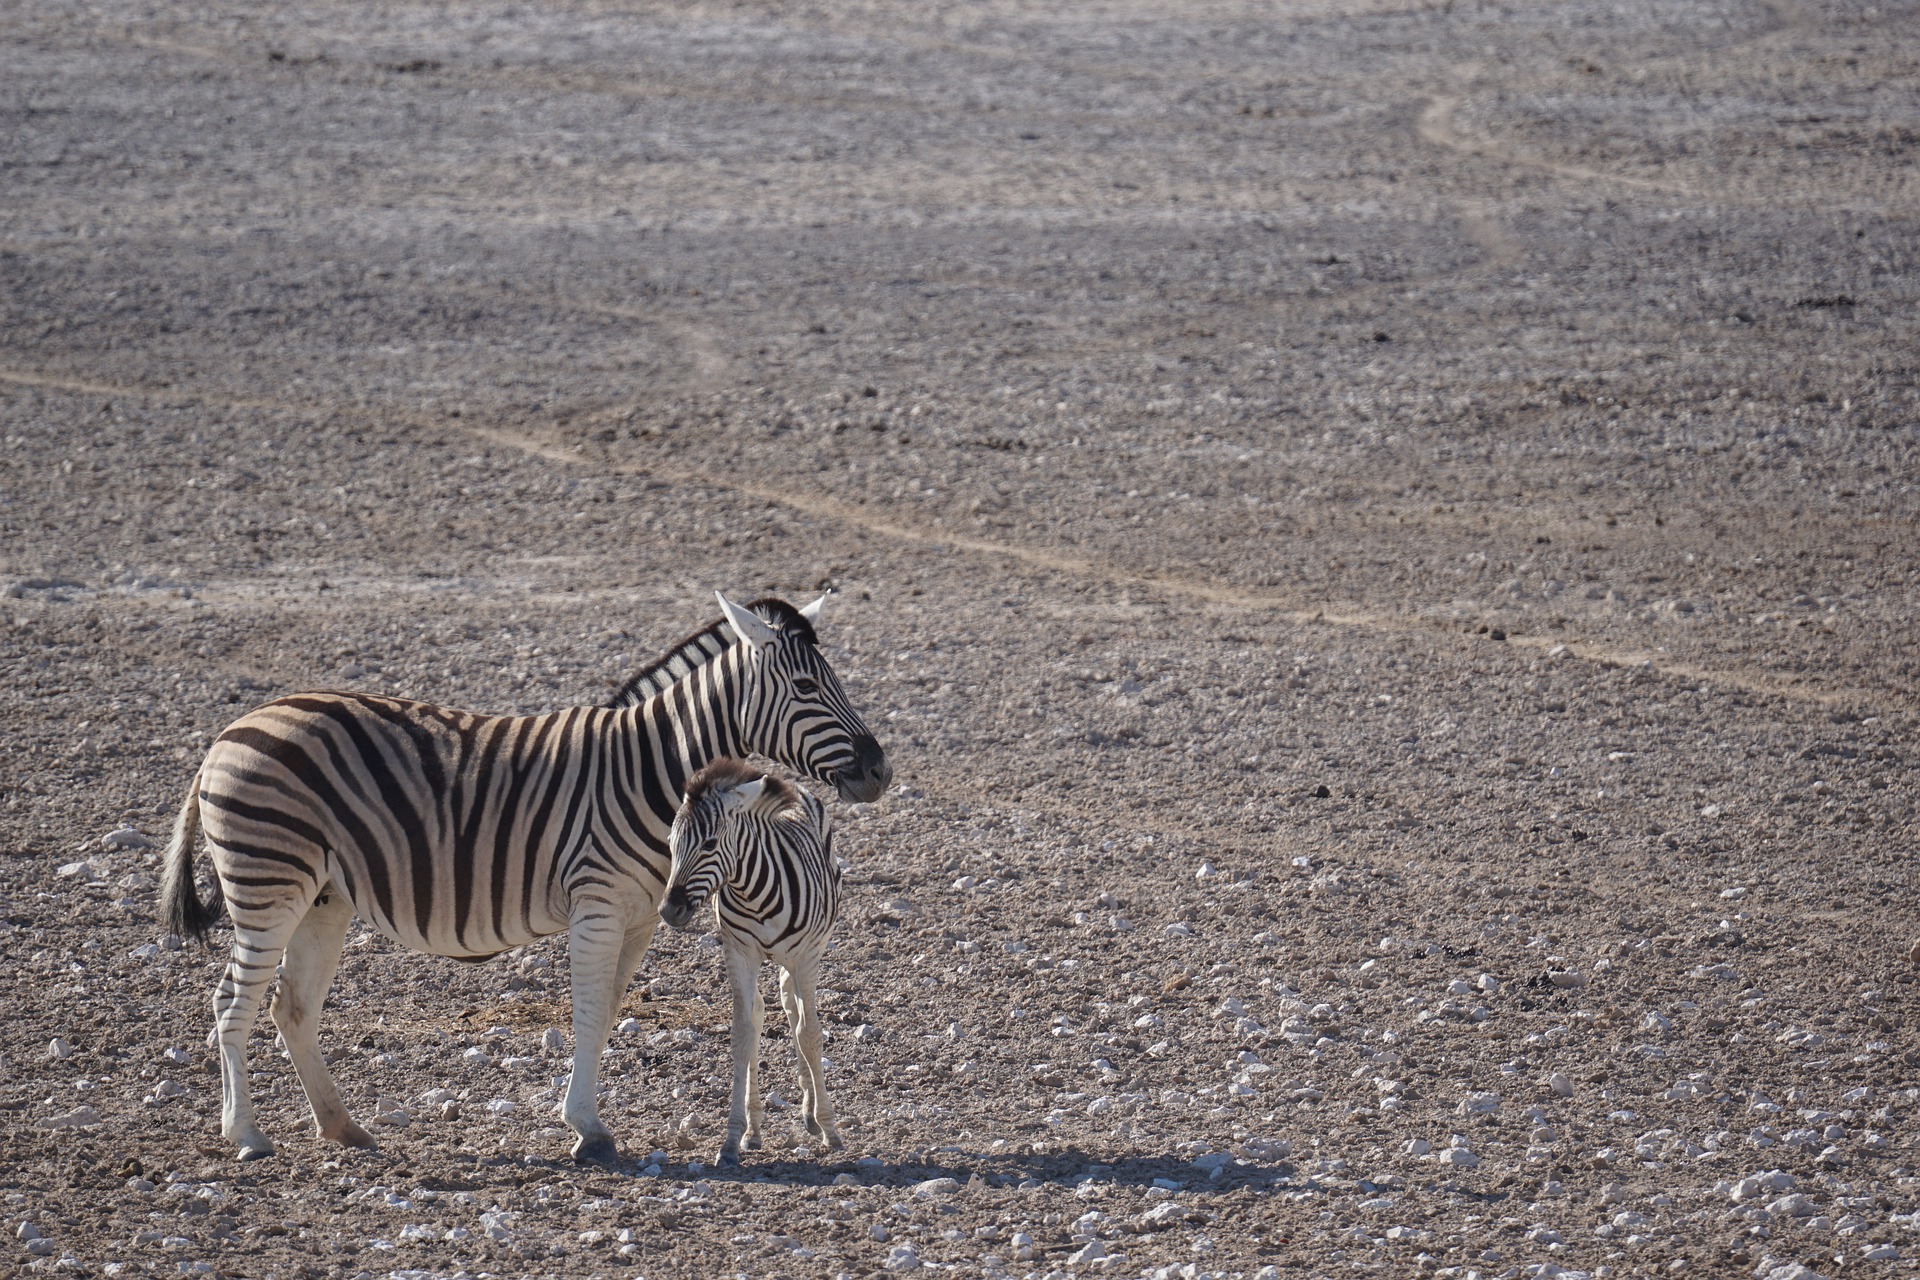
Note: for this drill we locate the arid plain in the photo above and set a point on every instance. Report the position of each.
(1380, 540)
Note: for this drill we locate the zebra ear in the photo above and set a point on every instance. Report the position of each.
(746, 793)
(811, 612)
(747, 624)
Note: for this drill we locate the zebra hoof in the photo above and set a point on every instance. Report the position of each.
(256, 1151)
(753, 1143)
(813, 1127)
(599, 1149)
(728, 1160)
(352, 1135)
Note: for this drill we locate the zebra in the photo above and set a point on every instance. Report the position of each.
(465, 835)
(761, 849)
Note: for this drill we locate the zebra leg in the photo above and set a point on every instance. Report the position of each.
(305, 977)
(236, 1006)
(790, 1003)
(756, 1108)
(742, 970)
(596, 942)
(818, 1109)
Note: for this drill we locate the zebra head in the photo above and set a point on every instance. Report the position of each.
(792, 707)
(702, 855)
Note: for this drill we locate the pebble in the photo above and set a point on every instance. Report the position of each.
(552, 1041)
(1560, 1084)
(59, 1050)
(477, 1057)
(1566, 979)
(26, 1231)
(936, 1187)
(79, 1118)
(70, 869)
(1179, 929)
(127, 838)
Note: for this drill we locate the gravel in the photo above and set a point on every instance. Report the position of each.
(1377, 543)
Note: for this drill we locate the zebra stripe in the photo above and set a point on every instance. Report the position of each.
(761, 851)
(465, 835)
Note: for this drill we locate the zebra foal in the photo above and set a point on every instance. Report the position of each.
(466, 835)
(761, 850)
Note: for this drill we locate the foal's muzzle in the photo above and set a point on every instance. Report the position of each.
(677, 910)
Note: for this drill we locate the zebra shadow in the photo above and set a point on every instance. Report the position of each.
(1066, 1167)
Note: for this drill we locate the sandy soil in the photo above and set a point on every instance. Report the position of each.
(1380, 539)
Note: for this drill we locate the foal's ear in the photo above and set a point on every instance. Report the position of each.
(747, 624)
(747, 792)
(811, 612)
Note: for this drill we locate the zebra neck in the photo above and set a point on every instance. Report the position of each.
(688, 725)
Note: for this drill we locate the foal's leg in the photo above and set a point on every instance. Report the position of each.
(756, 1108)
(742, 972)
(305, 976)
(803, 1010)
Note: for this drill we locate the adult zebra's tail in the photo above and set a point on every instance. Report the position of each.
(180, 902)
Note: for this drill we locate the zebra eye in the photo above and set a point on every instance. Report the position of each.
(806, 686)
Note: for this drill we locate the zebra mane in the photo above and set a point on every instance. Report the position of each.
(727, 773)
(702, 647)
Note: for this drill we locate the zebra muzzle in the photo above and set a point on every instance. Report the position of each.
(868, 777)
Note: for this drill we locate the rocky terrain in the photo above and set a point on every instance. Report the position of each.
(1380, 540)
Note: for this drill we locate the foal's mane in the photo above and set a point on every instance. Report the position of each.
(703, 646)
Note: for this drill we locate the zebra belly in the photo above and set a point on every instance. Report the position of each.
(484, 931)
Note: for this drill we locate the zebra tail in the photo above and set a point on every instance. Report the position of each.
(180, 903)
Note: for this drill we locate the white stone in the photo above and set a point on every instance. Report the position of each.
(1560, 1084)
(552, 1041)
(630, 1026)
(477, 1057)
(68, 870)
(59, 1050)
(1088, 1252)
(127, 838)
(79, 1118)
(1180, 930)
(1566, 979)
(1419, 1147)
(1460, 1157)
(1476, 1104)
(502, 1107)
(936, 1187)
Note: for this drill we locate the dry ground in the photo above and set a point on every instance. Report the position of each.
(1340, 509)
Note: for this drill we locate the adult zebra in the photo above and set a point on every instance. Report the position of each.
(465, 835)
